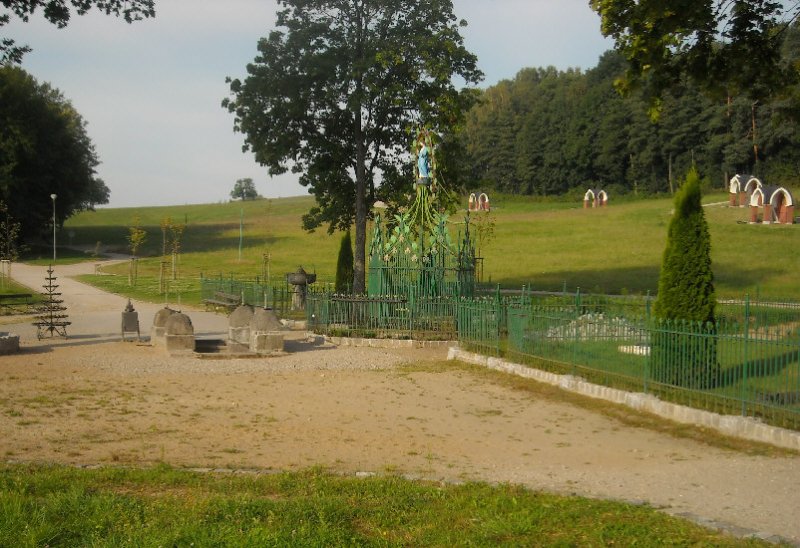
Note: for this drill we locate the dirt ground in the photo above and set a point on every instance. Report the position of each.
(92, 399)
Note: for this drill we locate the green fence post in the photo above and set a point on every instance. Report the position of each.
(576, 324)
(746, 360)
(411, 313)
(501, 320)
(648, 355)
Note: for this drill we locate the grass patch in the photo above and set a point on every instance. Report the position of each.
(617, 249)
(10, 287)
(43, 255)
(60, 506)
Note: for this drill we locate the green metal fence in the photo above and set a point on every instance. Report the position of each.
(252, 292)
(396, 316)
(479, 323)
(747, 363)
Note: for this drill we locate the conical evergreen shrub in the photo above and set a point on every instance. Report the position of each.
(684, 342)
(686, 282)
(344, 265)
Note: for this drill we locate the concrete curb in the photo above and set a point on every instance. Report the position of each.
(387, 343)
(731, 425)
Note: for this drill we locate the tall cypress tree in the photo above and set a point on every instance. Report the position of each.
(344, 265)
(686, 282)
(684, 345)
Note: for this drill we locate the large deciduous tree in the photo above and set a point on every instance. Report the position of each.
(244, 189)
(44, 150)
(59, 13)
(335, 90)
(725, 46)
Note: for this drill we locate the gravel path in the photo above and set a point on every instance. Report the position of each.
(91, 399)
(95, 314)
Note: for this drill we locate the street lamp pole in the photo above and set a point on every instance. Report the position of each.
(53, 197)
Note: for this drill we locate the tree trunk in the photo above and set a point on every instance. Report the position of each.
(359, 253)
(755, 141)
(671, 188)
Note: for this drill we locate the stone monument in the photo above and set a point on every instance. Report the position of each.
(179, 333)
(157, 332)
(239, 327)
(266, 332)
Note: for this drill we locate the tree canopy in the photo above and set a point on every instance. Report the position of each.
(722, 46)
(244, 189)
(59, 13)
(44, 150)
(550, 132)
(335, 90)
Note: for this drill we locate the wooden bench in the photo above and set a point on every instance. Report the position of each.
(15, 303)
(228, 301)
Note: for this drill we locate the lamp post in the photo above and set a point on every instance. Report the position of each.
(53, 197)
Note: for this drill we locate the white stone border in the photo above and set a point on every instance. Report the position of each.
(387, 343)
(731, 425)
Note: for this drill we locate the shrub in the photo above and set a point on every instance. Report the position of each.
(344, 265)
(685, 357)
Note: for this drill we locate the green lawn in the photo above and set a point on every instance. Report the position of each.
(542, 243)
(62, 506)
(619, 248)
(545, 244)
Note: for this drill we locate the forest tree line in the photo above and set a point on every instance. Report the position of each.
(549, 132)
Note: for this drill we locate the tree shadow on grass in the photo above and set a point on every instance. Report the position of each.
(196, 237)
(633, 280)
(611, 280)
(759, 369)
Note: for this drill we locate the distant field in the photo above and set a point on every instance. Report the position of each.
(547, 245)
(619, 248)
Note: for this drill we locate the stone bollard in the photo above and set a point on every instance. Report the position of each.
(179, 334)
(157, 332)
(239, 327)
(130, 321)
(9, 343)
(266, 332)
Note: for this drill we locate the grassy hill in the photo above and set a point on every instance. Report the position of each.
(547, 245)
(619, 248)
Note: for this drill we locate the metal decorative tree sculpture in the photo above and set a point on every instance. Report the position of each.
(417, 272)
(414, 255)
(51, 319)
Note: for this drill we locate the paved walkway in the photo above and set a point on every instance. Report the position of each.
(95, 314)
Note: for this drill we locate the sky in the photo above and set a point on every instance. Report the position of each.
(151, 91)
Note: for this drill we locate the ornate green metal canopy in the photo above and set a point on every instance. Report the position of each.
(413, 255)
